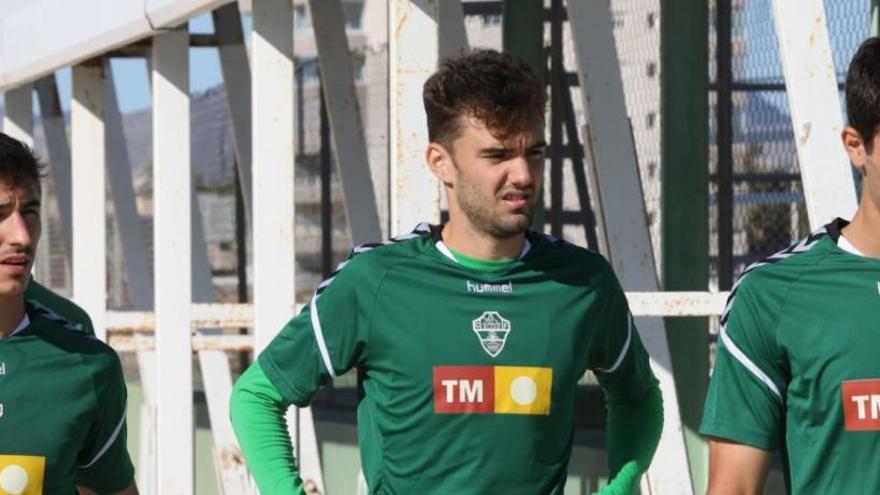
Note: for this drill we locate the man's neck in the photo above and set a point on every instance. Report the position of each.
(11, 314)
(464, 239)
(864, 230)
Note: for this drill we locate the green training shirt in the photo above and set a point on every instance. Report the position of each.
(58, 308)
(797, 365)
(62, 411)
(467, 377)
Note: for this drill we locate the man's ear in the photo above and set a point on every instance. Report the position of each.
(854, 146)
(440, 162)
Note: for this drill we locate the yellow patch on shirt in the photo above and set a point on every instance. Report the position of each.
(22, 474)
(523, 390)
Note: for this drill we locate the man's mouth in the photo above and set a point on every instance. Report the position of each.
(517, 199)
(16, 263)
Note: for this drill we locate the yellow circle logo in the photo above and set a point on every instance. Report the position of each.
(14, 479)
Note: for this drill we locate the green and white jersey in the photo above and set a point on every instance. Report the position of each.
(57, 307)
(62, 411)
(467, 377)
(797, 365)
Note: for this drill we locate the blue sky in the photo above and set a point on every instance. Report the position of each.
(132, 78)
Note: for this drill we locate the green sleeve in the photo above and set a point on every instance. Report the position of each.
(257, 411)
(633, 434)
(745, 402)
(103, 463)
(632, 395)
(327, 338)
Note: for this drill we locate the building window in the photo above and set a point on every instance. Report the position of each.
(354, 14)
(301, 21)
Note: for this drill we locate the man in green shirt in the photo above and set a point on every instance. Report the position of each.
(62, 393)
(797, 366)
(469, 338)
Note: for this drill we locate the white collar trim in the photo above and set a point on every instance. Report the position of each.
(25, 322)
(527, 246)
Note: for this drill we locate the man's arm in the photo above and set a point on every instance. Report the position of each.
(735, 468)
(633, 400)
(257, 413)
(634, 407)
(745, 407)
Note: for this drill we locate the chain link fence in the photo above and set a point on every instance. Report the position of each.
(768, 203)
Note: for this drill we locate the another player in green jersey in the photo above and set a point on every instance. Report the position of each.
(797, 366)
(469, 338)
(62, 393)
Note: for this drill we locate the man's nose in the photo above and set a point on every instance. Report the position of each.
(17, 231)
(521, 173)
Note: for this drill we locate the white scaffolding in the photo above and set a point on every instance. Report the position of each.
(261, 105)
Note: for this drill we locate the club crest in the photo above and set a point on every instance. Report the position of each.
(492, 330)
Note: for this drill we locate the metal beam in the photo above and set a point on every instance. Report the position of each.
(273, 198)
(128, 221)
(413, 47)
(173, 248)
(273, 164)
(18, 119)
(237, 83)
(343, 110)
(815, 109)
(452, 33)
(613, 158)
(685, 207)
(55, 133)
(684, 198)
(875, 17)
(88, 186)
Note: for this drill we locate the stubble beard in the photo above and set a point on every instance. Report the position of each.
(479, 212)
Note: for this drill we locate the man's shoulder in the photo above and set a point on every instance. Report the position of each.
(57, 307)
(380, 256)
(367, 263)
(63, 337)
(557, 254)
(778, 271)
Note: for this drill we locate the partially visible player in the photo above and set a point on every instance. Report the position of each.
(797, 367)
(62, 393)
(469, 338)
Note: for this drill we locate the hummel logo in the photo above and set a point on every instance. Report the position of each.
(2, 368)
(479, 288)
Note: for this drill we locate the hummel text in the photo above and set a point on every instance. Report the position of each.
(479, 288)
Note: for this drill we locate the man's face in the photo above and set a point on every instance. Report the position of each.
(496, 182)
(19, 233)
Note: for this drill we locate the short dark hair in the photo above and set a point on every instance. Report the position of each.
(863, 91)
(19, 165)
(498, 89)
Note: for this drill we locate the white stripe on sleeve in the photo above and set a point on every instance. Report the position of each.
(319, 337)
